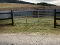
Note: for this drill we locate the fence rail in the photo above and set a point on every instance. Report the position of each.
(6, 15)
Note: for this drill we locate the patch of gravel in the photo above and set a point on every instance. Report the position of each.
(29, 39)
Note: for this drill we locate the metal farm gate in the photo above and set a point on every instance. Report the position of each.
(26, 14)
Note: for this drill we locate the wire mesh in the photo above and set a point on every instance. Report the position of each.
(32, 16)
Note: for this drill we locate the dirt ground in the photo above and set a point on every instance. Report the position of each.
(29, 39)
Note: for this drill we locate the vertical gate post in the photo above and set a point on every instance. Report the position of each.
(26, 19)
(38, 16)
(12, 17)
(55, 18)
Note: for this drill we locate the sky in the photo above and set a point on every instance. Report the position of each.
(56, 2)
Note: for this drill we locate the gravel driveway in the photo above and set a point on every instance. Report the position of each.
(30, 39)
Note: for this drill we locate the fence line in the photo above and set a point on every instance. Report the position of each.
(5, 16)
(36, 13)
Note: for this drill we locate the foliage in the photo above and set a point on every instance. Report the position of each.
(2, 1)
(45, 4)
(14, 1)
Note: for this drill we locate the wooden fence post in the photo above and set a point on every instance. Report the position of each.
(12, 17)
(55, 18)
(38, 16)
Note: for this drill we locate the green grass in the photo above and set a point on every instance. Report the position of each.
(44, 26)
